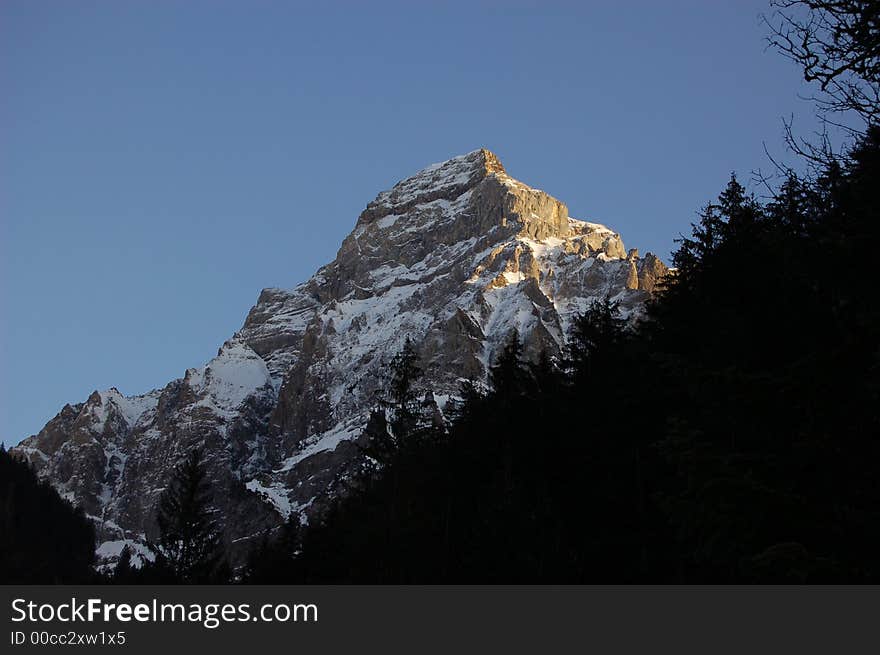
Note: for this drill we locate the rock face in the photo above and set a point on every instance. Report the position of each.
(454, 258)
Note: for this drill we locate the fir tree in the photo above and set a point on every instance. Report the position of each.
(189, 543)
(405, 372)
(594, 335)
(508, 376)
(740, 210)
(705, 237)
(381, 443)
(124, 573)
(401, 404)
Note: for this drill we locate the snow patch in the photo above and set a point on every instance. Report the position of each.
(225, 382)
(325, 441)
(108, 553)
(275, 494)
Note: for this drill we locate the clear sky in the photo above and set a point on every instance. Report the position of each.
(162, 161)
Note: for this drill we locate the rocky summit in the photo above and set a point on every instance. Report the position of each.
(454, 258)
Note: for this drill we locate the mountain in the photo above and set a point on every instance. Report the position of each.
(454, 258)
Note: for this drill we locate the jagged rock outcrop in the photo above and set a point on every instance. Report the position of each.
(453, 258)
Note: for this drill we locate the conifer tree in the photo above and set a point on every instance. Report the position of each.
(189, 543)
(593, 336)
(381, 443)
(404, 374)
(401, 405)
(124, 572)
(706, 236)
(507, 375)
(790, 206)
(740, 210)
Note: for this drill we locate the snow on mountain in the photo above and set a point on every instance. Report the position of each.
(225, 382)
(454, 258)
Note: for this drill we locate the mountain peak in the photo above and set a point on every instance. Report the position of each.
(444, 180)
(490, 161)
(473, 166)
(453, 258)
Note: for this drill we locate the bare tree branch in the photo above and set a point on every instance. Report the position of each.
(837, 45)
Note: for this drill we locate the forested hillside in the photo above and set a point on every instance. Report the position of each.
(730, 437)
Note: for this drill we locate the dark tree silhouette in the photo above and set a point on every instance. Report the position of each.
(594, 334)
(730, 436)
(400, 405)
(43, 539)
(124, 572)
(271, 561)
(404, 373)
(189, 544)
(507, 376)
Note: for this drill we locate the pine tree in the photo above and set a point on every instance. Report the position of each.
(706, 236)
(381, 443)
(733, 199)
(740, 210)
(594, 334)
(404, 374)
(789, 207)
(508, 377)
(546, 373)
(189, 543)
(124, 572)
(401, 405)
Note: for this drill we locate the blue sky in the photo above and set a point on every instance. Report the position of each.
(162, 161)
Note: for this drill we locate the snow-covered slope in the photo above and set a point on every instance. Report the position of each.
(453, 258)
